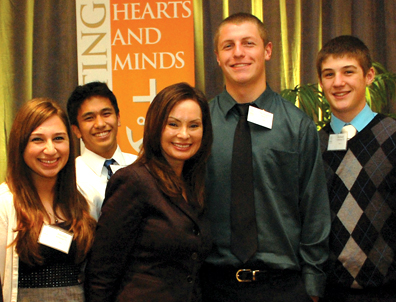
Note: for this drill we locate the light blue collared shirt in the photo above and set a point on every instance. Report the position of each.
(359, 122)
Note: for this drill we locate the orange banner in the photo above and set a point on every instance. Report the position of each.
(151, 46)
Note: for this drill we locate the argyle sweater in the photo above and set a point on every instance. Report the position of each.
(362, 191)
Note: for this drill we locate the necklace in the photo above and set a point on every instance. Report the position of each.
(53, 215)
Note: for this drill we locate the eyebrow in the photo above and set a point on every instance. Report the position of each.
(232, 40)
(41, 134)
(171, 117)
(94, 112)
(343, 67)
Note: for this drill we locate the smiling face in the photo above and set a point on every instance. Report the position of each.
(181, 138)
(241, 54)
(344, 85)
(98, 126)
(47, 150)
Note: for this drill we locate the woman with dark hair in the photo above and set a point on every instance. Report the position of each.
(153, 236)
(45, 226)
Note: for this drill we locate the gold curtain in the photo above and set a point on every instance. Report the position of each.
(297, 30)
(16, 38)
(39, 56)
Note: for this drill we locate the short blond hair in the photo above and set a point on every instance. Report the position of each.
(240, 18)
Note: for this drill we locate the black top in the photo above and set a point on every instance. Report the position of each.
(57, 270)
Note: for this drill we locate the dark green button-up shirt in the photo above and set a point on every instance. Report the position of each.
(292, 207)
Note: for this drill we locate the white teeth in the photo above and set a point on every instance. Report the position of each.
(240, 65)
(181, 146)
(101, 134)
(48, 161)
(340, 93)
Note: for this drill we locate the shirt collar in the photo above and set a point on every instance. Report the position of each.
(228, 102)
(95, 161)
(359, 122)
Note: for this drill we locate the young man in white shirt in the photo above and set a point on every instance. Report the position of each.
(94, 115)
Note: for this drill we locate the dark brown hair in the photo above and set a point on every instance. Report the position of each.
(29, 209)
(87, 91)
(151, 153)
(341, 46)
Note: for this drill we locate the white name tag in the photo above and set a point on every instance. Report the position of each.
(260, 117)
(337, 142)
(55, 238)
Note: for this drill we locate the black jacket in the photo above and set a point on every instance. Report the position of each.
(148, 246)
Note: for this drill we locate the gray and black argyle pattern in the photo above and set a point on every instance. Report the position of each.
(362, 193)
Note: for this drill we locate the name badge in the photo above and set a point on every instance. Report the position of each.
(56, 238)
(260, 117)
(337, 142)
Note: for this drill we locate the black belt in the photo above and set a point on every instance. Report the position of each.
(247, 274)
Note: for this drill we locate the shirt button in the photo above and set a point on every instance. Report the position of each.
(196, 231)
(189, 279)
(194, 256)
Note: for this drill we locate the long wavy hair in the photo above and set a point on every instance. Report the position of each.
(151, 152)
(29, 208)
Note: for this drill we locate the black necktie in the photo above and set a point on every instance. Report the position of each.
(107, 164)
(243, 214)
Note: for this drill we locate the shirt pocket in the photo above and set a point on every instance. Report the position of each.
(280, 170)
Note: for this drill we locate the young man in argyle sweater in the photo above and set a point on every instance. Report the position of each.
(360, 167)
